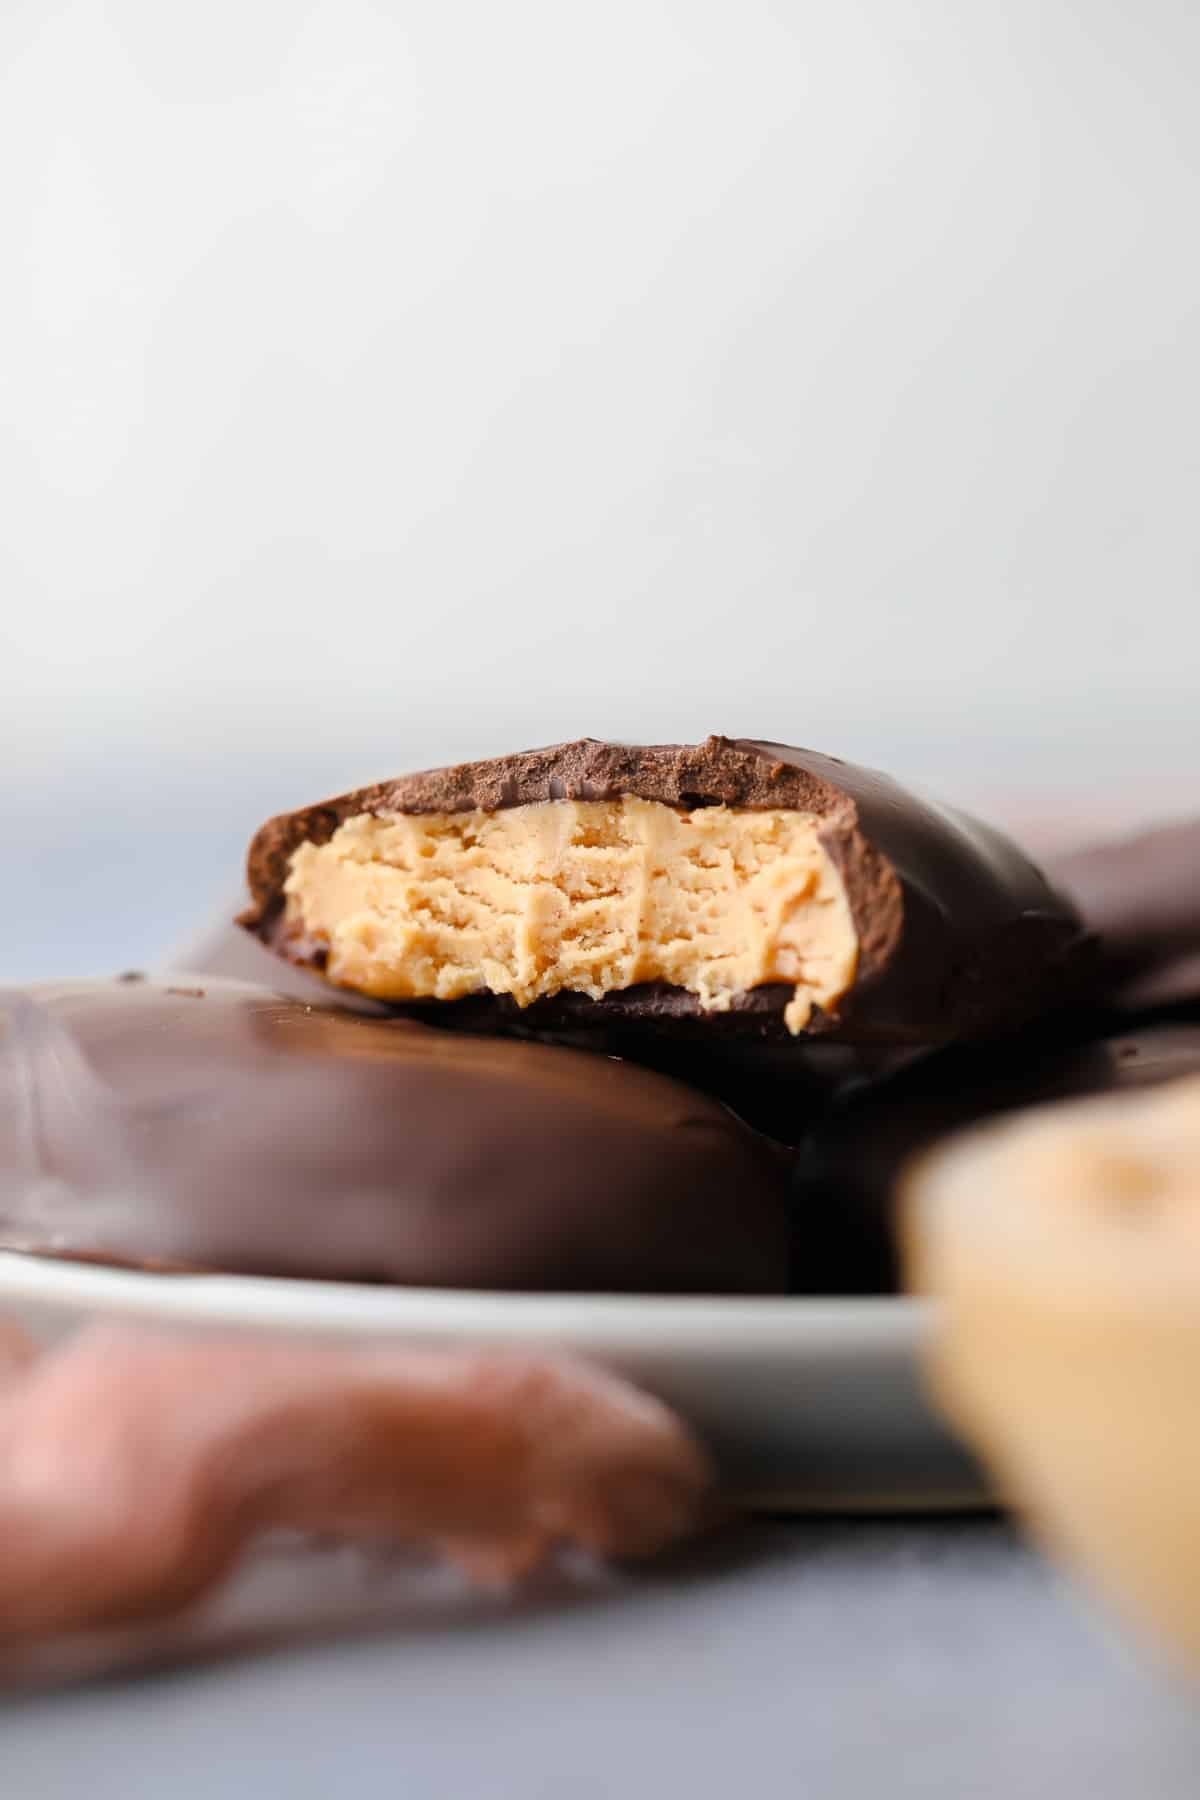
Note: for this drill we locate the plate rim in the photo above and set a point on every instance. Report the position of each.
(723, 1324)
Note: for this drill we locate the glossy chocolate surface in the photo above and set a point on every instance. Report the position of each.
(204, 1124)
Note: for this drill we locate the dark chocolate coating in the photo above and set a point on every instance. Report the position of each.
(959, 934)
(1141, 897)
(847, 1175)
(213, 1125)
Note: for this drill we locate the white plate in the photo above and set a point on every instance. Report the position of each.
(809, 1404)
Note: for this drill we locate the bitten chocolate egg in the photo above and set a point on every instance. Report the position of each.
(731, 889)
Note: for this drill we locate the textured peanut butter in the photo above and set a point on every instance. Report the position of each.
(586, 896)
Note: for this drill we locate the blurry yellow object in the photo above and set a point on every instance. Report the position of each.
(1063, 1247)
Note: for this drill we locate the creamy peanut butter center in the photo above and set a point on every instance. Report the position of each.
(583, 896)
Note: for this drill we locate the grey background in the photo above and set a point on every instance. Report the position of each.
(387, 383)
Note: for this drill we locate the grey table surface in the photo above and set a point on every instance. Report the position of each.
(819, 1657)
(839, 1657)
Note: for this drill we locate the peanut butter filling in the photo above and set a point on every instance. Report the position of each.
(585, 896)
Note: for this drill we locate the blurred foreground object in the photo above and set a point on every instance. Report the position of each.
(1063, 1245)
(135, 1469)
